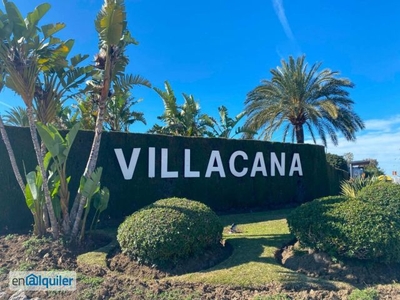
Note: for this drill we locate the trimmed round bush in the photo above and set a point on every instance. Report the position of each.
(169, 230)
(367, 227)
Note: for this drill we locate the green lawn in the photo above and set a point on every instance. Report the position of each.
(253, 262)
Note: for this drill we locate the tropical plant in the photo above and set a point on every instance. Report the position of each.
(351, 187)
(110, 63)
(224, 128)
(299, 97)
(25, 51)
(59, 149)
(182, 120)
(119, 115)
(58, 83)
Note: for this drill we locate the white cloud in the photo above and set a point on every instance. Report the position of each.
(380, 140)
(280, 12)
(383, 125)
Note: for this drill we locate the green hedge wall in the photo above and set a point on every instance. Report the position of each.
(335, 176)
(127, 196)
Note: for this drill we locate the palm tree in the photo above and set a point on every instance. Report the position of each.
(298, 97)
(16, 116)
(182, 120)
(25, 51)
(110, 62)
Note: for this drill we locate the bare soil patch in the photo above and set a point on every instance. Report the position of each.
(321, 265)
(124, 278)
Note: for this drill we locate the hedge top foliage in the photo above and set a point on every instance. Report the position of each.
(365, 227)
(169, 230)
(382, 193)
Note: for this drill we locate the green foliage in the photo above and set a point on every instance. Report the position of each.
(337, 161)
(366, 227)
(367, 294)
(351, 187)
(90, 189)
(224, 128)
(169, 230)
(300, 98)
(181, 120)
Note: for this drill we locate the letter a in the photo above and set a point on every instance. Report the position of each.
(215, 157)
(296, 165)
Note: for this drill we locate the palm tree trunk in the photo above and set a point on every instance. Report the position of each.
(299, 134)
(79, 203)
(77, 210)
(10, 151)
(53, 221)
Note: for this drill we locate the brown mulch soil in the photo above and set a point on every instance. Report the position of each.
(126, 279)
(321, 265)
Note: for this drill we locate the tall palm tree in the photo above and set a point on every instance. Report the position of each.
(182, 120)
(16, 116)
(299, 97)
(110, 63)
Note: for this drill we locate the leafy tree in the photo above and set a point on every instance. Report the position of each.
(337, 161)
(349, 157)
(182, 120)
(299, 97)
(373, 169)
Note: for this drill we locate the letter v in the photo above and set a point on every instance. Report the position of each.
(127, 171)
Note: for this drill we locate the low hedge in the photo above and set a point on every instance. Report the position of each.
(366, 227)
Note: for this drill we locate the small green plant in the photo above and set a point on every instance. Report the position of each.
(351, 188)
(3, 270)
(89, 280)
(9, 236)
(169, 230)
(367, 294)
(33, 244)
(26, 266)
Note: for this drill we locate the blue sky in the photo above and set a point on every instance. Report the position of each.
(220, 50)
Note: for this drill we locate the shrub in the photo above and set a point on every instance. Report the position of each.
(352, 186)
(366, 227)
(169, 230)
